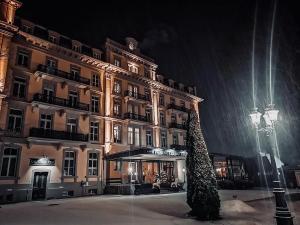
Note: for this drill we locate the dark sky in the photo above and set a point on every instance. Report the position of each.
(203, 43)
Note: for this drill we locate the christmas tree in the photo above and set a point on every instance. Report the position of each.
(202, 194)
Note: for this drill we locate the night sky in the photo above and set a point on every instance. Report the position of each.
(202, 43)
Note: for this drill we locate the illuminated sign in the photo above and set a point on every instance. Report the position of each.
(42, 162)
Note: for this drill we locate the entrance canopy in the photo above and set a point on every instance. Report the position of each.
(148, 154)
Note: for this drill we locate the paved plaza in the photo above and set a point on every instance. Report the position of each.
(238, 207)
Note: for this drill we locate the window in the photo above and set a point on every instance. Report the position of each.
(76, 48)
(184, 139)
(117, 108)
(95, 80)
(118, 165)
(175, 139)
(161, 100)
(73, 98)
(95, 104)
(147, 95)
(69, 163)
(117, 87)
(93, 164)
(15, 119)
(162, 118)
(133, 68)
(19, 87)
(52, 63)
(9, 162)
(163, 139)
(117, 62)
(52, 39)
(133, 136)
(184, 121)
(182, 104)
(117, 133)
(148, 137)
(173, 118)
(23, 58)
(27, 29)
(46, 121)
(133, 91)
(97, 55)
(136, 136)
(148, 114)
(74, 73)
(94, 131)
(172, 101)
(130, 135)
(72, 125)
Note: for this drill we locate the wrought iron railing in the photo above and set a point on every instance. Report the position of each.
(177, 107)
(178, 126)
(55, 134)
(60, 101)
(137, 95)
(62, 74)
(138, 117)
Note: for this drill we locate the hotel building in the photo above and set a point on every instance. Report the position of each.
(77, 120)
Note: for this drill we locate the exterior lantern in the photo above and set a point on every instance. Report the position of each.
(255, 117)
(271, 114)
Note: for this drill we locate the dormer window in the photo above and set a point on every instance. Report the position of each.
(97, 55)
(133, 68)
(76, 48)
(52, 39)
(27, 29)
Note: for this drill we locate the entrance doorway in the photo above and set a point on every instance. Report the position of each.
(39, 185)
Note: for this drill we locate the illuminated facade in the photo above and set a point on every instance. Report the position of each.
(76, 120)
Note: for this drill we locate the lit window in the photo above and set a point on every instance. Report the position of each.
(93, 164)
(130, 135)
(117, 87)
(94, 131)
(9, 162)
(133, 68)
(19, 87)
(117, 133)
(118, 165)
(69, 163)
(117, 108)
(134, 136)
(117, 62)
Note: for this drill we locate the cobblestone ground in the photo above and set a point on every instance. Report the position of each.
(238, 207)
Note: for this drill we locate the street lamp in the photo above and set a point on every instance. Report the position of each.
(282, 215)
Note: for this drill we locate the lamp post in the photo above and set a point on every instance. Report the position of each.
(270, 116)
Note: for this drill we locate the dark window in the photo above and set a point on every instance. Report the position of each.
(9, 162)
(172, 101)
(95, 104)
(162, 118)
(93, 164)
(15, 119)
(148, 137)
(95, 80)
(118, 165)
(117, 87)
(72, 125)
(73, 98)
(74, 73)
(163, 136)
(117, 108)
(117, 133)
(23, 58)
(69, 163)
(46, 121)
(148, 114)
(19, 87)
(161, 100)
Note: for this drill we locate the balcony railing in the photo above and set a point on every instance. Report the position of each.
(63, 74)
(55, 134)
(134, 116)
(137, 95)
(13, 132)
(178, 126)
(60, 101)
(177, 107)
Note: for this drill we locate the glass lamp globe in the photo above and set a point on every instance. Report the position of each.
(271, 113)
(255, 117)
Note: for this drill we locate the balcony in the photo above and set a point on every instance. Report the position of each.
(60, 102)
(137, 96)
(178, 126)
(137, 117)
(12, 132)
(55, 134)
(178, 108)
(80, 81)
